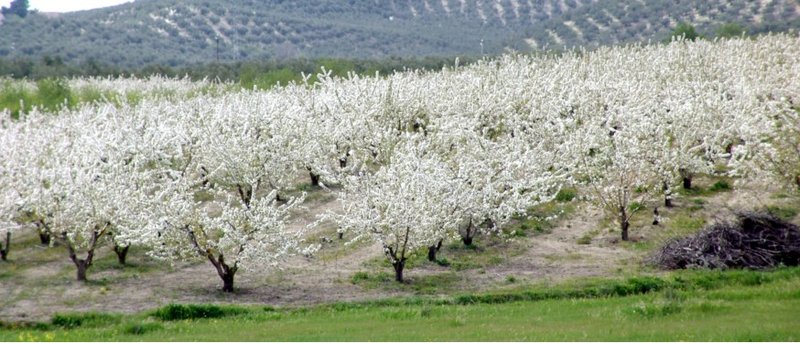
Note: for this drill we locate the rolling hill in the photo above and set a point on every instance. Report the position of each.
(179, 33)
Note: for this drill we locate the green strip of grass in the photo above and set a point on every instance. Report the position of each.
(688, 305)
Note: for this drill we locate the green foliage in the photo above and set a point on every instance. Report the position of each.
(731, 30)
(786, 213)
(687, 305)
(174, 312)
(365, 278)
(54, 94)
(720, 186)
(635, 206)
(686, 223)
(15, 98)
(686, 31)
(566, 194)
(138, 329)
(91, 319)
(16, 7)
(584, 240)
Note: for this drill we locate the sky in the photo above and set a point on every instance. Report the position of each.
(67, 5)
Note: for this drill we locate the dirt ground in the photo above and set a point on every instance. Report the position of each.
(38, 281)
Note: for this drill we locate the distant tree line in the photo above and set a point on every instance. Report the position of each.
(16, 7)
(262, 74)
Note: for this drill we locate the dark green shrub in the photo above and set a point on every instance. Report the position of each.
(53, 94)
(190, 311)
(74, 320)
(566, 195)
(720, 185)
(141, 328)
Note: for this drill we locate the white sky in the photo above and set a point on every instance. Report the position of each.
(67, 5)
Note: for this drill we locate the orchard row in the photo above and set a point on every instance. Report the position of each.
(418, 158)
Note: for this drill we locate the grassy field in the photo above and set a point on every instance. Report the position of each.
(688, 305)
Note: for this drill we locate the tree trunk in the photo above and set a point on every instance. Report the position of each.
(4, 249)
(227, 283)
(398, 270)
(122, 253)
(44, 232)
(468, 233)
(82, 264)
(656, 216)
(687, 178)
(82, 267)
(44, 238)
(432, 250)
(314, 179)
(667, 196)
(225, 272)
(624, 224)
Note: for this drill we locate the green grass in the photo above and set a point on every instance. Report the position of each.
(543, 218)
(566, 194)
(174, 312)
(783, 212)
(680, 224)
(440, 283)
(687, 305)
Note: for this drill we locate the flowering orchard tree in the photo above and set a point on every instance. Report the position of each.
(87, 179)
(405, 205)
(492, 180)
(214, 193)
(10, 200)
(230, 232)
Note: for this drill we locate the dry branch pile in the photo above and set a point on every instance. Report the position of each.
(754, 241)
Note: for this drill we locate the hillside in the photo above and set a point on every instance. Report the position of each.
(177, 33)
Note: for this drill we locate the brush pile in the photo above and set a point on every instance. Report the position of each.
(754, 241)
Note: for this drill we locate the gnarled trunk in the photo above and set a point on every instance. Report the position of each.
(467, 235)
(122, 253)
(4, 248)
(84, 264)
(44, 238)
(225, 272)
(43, 231)
(687, 178)
(314, 179)
(433, 249)
(227, 283)
(398, 270)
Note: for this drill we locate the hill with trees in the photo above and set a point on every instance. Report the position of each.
(179, 33)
